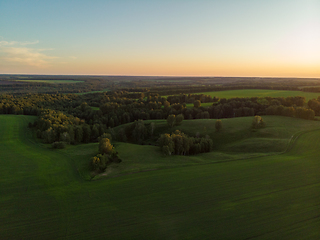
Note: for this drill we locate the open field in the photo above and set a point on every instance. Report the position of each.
(49, 81)
(95, 108)
(262, 93)
(105, 90)
(43, 195)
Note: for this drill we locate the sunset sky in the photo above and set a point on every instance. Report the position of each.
(161, 37)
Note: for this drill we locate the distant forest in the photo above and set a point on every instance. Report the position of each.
(22, 84)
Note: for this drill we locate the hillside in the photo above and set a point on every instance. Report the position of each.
(277, 196)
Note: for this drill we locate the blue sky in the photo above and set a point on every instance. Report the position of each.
(198, 38)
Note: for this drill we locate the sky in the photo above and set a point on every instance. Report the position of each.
(274, 38)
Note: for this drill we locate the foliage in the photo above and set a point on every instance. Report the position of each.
(178, 119)
(59, 145)
(105, 146)
(218, 125)
(197, 104)
(258, 122)
(139, 132)
(179, 143)
(174, 120)
(107, 155)
(171, 120)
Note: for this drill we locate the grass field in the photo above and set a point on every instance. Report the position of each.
(50, 81)
(261, 93)
(43, 195)
(257, 93)
(104, 90)
(95, 108)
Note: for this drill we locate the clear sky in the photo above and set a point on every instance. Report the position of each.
(161, 37)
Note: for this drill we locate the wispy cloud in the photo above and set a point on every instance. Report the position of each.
(17, 52)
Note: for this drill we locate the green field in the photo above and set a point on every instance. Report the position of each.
(44, 194)
(105, 90)
(50, 81)
(257, 93)
(95, 108)
(261, 93)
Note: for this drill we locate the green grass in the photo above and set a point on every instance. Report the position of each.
(95, 108)
(256, 93)
(261, 93)
(190, 105)
(43, 195)
(50, 81)
(105, 90)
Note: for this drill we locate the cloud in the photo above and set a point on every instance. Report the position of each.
(17, 52)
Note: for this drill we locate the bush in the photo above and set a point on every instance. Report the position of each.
(59, 145)
(218, 125)
(258, 122)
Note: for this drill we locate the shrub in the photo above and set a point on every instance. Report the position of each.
(258, 122)
(58, 145)
(218, 125)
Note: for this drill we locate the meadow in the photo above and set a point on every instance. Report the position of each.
(231, 193)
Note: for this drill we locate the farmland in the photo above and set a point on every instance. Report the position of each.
(44, 193)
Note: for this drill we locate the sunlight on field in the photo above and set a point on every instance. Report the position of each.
(162, 196)
(261, 93)
(50, 81)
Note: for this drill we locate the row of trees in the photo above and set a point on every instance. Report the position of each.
(179, 143)
(298, 112)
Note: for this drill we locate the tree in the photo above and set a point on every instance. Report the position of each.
(197, 104)
(105, 146)
(86, 133)
(94, 132)
(171, 120)
(140, 132)
(152, 127)
(78, 134)
(166, 105)
(258, 122)
(178, 120)
(166, 144)
(218, 125)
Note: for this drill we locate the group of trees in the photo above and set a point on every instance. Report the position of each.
(107, 154)
(191, 98)
(299, 112)
(135, 132)
(174, 120)
(179, 143)
(54, 126)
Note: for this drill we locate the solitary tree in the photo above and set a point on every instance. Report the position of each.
(218, 125)
(197, 103)
(258, 122)
(171, 120)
